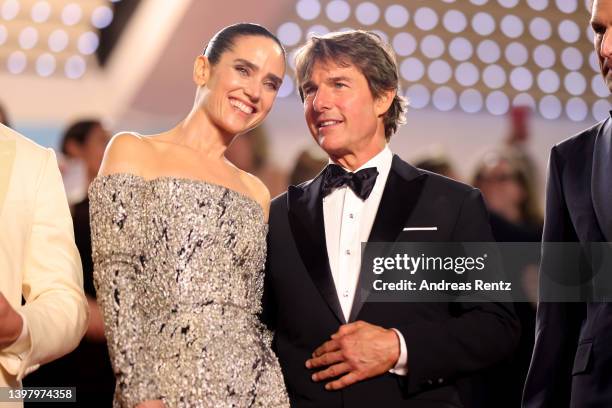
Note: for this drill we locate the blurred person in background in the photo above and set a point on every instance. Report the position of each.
(39, 262)
(437, 162)
(4, 119)
(501, 386)
(509, 190)
(88, 367)
(250, 152)
(307, 165)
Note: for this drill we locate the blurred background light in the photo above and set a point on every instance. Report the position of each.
(45, 64)
(412, 69)
(71, 14)
(338, 11)
(425, 18)
(460, 49)
(404, 44)
(418, 96)
(488, 51)
(444, 98)
(471, 101)
(432, 46)
(308, 9)
(289, 34)
(396, 16)
(497, 103)
(101, 17)
(483, 23)
(41, 11)
(75, 67)
(367, 13)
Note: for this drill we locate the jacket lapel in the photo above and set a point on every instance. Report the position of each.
(305, 205)
(400, 196)
(7, 157)
(601, 186)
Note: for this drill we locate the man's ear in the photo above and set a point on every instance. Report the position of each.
(384, 101)
(201, 70)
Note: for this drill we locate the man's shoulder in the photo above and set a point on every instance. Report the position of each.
(24, 145)
(442, 184)
(281, 199)
(582, 138)
(433, 182)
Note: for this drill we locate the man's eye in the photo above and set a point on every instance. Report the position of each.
(339, 85)
(242, 70)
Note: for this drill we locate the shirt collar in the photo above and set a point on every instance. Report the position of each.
(382, 161)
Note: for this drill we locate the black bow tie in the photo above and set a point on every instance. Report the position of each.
(361, 182)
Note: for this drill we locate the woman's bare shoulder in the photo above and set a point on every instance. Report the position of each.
(127, 152)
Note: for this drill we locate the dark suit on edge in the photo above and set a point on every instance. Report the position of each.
(572, 359)
(445, 341)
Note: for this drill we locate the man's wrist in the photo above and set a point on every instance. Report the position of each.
(395, 352)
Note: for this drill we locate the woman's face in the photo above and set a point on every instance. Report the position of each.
(243, 84)
(502, 191)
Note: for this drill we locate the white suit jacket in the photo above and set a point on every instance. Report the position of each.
(38, 258)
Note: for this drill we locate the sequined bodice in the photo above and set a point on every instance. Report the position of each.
(179, 274)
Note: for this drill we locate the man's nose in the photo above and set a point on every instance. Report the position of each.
(321, 101)
(606, 44)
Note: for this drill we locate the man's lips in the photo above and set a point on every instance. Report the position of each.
(322, 124)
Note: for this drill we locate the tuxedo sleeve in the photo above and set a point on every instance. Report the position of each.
(478, 335)
(557, 324)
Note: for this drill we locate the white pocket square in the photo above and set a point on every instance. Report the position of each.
(420, 228)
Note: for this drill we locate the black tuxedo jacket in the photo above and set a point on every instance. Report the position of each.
(445, 342)
(572, 358)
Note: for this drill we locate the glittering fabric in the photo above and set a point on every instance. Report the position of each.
(178, 266)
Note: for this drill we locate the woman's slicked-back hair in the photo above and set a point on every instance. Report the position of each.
(367, 52)
(78, 132)
(225, 39)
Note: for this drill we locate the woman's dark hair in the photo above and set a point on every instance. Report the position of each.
(78, 132)
(224, 40)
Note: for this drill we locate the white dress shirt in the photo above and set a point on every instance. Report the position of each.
(348, 221)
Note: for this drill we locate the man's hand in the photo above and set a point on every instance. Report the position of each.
(357, 351)
(11, 323)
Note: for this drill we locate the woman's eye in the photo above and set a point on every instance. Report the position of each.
(271, 85)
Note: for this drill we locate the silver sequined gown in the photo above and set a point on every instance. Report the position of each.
(178, 267)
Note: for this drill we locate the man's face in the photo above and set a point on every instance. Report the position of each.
(601, 22)
(341, 113)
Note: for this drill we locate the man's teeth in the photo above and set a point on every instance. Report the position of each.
(328, 123)
(244, 108)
